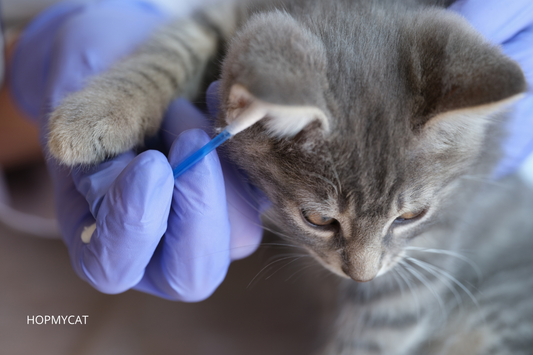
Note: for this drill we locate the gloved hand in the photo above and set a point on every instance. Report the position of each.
(510, 25)
(140, 228)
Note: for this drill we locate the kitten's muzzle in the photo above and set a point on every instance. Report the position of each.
(360, 275)
(363, 264)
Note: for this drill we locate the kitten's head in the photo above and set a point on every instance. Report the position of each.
(371, 118)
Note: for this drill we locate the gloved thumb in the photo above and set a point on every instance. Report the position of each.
(194, 256)
(130, 222)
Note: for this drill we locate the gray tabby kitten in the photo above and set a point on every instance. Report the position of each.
(381, 119)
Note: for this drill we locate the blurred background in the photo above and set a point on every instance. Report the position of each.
(257, 310)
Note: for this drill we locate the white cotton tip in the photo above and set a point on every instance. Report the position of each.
(246, 119)
(87, 233)
(288, 121)
(281, 120)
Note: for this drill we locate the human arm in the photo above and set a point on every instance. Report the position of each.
(206, 217)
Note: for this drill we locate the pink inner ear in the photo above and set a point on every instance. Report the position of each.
(238, 100)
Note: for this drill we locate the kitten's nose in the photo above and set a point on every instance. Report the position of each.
(363, 266)
(361, 276)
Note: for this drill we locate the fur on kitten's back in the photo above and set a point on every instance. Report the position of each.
(408, 97)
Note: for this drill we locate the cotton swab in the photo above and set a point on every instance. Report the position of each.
(283, 121)
(246, 119)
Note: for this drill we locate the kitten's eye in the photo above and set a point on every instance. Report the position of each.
(411, 216)
(317, 219)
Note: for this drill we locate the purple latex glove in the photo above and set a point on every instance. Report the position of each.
(141, 228)
(510, 25)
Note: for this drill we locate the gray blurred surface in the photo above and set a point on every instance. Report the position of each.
(273, 316)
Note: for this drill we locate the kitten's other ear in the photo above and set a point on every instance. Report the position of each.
(453, 69)
(275, 68)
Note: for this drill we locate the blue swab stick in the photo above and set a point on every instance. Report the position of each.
(284, 121)
(201, 153)
(244, 120)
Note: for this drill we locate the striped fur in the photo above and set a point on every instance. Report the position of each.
(403, 104)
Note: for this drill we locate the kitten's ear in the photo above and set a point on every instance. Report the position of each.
(276, 68)
(455, 71)
(280, 120)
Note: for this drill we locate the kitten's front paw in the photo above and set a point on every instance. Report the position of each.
(93, 125)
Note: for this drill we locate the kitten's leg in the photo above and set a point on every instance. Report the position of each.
(118, 108)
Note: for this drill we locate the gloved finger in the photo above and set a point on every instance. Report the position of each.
(495, 19)
(94, 182)
(213, 98)
(76, 211)
(519, 142)
(194, 256)
(181, 116)
(245, 203)
(520, 48)
(130, 222)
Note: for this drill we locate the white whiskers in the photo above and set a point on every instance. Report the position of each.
(451, 253)
(281, 258)
(426, 283)
(398, 272)
(428, 267)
